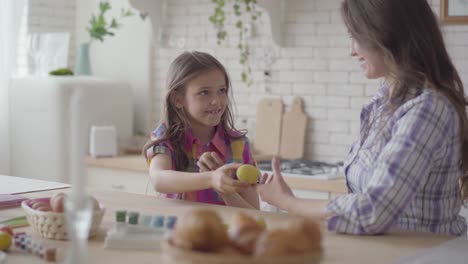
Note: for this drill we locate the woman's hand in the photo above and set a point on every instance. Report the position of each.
(223, 179)
(209, 161)
(273, 189)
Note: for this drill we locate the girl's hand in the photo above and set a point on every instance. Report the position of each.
(209, 161)
(273, 189)
(222, 179)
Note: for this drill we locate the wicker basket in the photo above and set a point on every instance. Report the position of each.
(52, 225)
(173, 255)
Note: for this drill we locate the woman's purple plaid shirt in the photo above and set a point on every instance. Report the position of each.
(403, 171)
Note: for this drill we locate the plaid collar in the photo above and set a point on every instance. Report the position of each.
(218, 140)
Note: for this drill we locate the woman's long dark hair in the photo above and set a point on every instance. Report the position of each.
(407, 34)
(182, 70)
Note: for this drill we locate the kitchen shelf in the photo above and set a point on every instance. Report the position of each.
(276, 12)
(156, 9)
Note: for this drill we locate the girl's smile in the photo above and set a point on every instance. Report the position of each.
(214, 112)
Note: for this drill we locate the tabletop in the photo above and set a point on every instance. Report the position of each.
(338, 248)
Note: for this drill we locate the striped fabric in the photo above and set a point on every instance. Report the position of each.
(236, 148)
(404, 174)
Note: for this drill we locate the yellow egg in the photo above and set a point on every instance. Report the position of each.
(5, 240)
(248, 173)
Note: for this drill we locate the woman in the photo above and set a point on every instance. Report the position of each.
(408, 168)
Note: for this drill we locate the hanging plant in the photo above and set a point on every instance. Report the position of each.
(246, 13)
(98, 26)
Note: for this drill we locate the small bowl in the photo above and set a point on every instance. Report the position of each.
(52, 225)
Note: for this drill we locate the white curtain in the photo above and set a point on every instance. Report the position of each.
(10, 18)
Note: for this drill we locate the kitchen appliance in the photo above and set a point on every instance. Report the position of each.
(103, 141)
(305, 169)
(40, 120)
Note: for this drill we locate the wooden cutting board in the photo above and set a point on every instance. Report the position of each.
(293, 131)
(267, 128)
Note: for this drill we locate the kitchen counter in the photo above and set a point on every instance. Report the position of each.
(338, 248)
(127, 162)
(136, 163)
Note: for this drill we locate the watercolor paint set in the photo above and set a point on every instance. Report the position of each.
(133, 230)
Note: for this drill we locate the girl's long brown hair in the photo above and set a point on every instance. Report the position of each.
(182, 70)
(407, 34)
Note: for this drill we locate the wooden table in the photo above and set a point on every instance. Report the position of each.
(338, 248)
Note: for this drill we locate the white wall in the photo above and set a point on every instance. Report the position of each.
(10, 20)
(125, 56)
(314, 63)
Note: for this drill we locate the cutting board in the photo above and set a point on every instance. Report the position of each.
(293, 131)
(267, 128)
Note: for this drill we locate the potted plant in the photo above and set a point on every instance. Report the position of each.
(246, 14)
(99, 27)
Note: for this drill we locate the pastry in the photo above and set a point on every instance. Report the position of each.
(200, 230)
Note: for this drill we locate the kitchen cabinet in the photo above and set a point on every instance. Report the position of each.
(124, 173)
(40, 120)
(130, 174)
(119, 180)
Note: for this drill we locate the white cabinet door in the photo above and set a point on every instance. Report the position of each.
(119, 180)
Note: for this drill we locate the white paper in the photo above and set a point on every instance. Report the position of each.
(15, 185)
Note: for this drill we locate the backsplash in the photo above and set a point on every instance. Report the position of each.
(314, 63)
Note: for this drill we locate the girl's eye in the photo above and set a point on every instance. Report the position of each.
(222, 90)
(204, 92)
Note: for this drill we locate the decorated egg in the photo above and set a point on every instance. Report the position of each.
(248, 173)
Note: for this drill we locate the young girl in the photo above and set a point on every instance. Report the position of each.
(408, 170)
(194, 153)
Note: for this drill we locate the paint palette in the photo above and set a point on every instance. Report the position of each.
(135, 231)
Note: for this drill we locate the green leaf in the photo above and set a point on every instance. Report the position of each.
(114, 23)
(128, 13)
(101, 21)
(222, 35)
(61, 71)
(98, 26)
(104, 6)
(218, 19)
(237, 10)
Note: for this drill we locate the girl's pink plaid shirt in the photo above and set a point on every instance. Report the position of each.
(232, 148)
